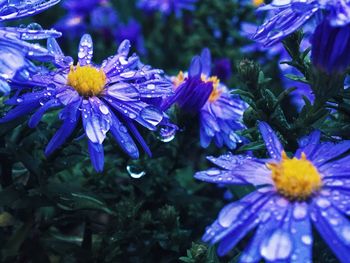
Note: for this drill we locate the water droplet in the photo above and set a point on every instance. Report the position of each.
(346, 234)
(306, 239)
(278, 246)
(213, 172)
(103, 109)
(122, 128)
(322, 202)
(300, 211)
(134, 172)
(167, 133)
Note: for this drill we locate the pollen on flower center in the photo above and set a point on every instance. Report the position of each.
(296, 179)
(86, 80)
(215, 94)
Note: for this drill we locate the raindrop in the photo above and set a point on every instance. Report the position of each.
(300, 211)
(346, 234)
(103, 109)
(134, 172)
(306, 239)
(167, 133)
(213, 172)
(323, 202)
(278, 246)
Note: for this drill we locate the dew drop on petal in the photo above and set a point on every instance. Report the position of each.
(104, 109)
(306, 239)
(323, 202)
(345, 232)
(277, 246)
(300, 211)
(213, 172)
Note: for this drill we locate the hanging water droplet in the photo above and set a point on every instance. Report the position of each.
(134, 171)
(167, 133)
(34, 26)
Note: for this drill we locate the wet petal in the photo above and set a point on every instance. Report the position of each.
(247, 170)
(337, 236)
(273, 144)
(36, 117)
(96, 155)
(24, 8)
(121, 135)
(96, 120)
(85, 50)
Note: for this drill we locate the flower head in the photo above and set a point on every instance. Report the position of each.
(16, 53)
(292, 194)
(200, 93)
(110, 97)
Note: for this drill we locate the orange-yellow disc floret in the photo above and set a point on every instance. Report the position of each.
(296, 179)
(86, 80)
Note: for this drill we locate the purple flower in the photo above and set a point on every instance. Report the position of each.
(22, 8)
(332, 30)
(110, 97)
(167, 6)
(15, 51)
(220, 112)
(312, 188)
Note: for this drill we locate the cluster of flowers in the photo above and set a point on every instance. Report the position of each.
(313, 187)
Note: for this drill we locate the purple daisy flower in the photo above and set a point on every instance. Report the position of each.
(312, 188)
(110, 97)
(22, 8)
(220, 113)
(167, 6)
(15, 51)
(333, 19)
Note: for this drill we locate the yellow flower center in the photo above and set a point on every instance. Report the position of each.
(177, 81)
(296, 179)
(257, 2)
(86, 80)
(215, 94)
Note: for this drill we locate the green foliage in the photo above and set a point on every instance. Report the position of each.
(58, 209)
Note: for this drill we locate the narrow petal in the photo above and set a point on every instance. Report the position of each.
(247, 170)
(121, 135)
(138, 137)
(195, 67)
(246, 220)
(336, 235)
(273, 144)
(96, 155)
(69, 124)
(36, 117)
(206, 62)
(96, 119)
(85, 50)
